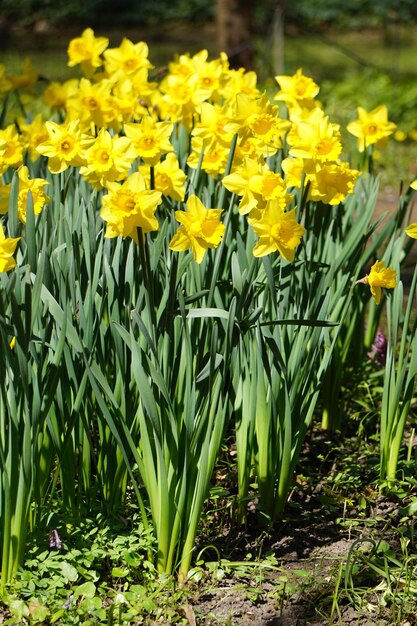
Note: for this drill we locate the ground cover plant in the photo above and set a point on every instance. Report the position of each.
(187, 267)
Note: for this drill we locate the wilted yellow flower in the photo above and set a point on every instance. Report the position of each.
(277, 231)
(372, 127)
(201, 229)
(63, 148)
(130, 206)
(7, 248)
(37, 188)
(150, 139)
(379, 277)
(11, 148)
(86, 50)
(108, 159)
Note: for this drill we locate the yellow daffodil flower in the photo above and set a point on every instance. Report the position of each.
(33, 134)
(181, 99)
(108, 159)
(372, 127)
(130, 206)
(56, 94)
(411, 229)
(293, 168)
(7, 248)
(239, 182)
(169, 178)
(258, 118)
(63, 147)
(332, 182)
(215, 156)
(127, 59)
(277, 231)
(150, 139)
(315, 137)
(200, 229)
(240, 81)
(27, 78)
(37, 188)
(4, 198)
(132, 96)
(212, 124)
(86, 50)
(297, 90)
(92, 104)
(11, 148)
(379, 277)
(256, 184)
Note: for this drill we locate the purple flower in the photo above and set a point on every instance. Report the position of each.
(54, 540)
(379, 349)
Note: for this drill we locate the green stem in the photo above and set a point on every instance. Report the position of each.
(147, 279)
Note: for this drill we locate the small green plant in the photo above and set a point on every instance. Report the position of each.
(98, 574)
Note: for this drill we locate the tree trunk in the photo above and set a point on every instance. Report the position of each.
(233, 26)
(278, 37)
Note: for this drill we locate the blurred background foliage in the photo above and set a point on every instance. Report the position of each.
(311, 14)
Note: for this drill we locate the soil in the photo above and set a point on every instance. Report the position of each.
(311, 547)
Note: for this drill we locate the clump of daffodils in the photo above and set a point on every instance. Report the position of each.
(121, 131)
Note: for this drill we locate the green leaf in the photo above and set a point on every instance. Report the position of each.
(119, 572)
(88, 590)
(19, 609)
(69, 572)
(209, 368)
(207, 312)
